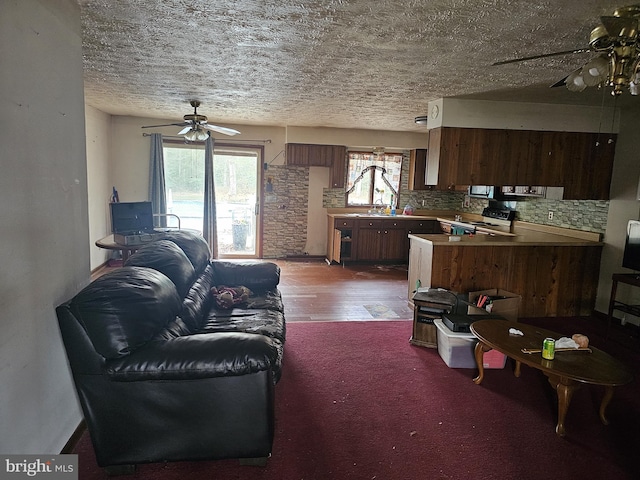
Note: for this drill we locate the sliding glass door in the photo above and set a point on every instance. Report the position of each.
(237, 179)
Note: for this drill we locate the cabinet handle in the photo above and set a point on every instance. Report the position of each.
(386, 231)
(371, 224)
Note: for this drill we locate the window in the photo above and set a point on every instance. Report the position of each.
(373, 179)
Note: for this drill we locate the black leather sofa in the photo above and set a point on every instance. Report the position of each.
(161, 373)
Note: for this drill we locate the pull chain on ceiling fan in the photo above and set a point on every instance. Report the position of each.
(196, 126)
(618, 64)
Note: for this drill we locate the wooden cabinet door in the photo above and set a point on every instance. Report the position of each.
(338, 172)
(589, 167)
(418, 170)
(395, 244)
(369, 244)
(313, 155)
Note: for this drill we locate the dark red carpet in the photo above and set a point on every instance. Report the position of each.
(357, 401)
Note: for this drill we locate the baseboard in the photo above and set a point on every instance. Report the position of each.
(75, 438)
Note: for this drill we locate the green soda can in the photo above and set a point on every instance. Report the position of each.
(548, 348)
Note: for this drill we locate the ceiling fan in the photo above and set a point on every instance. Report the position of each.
(195, 125)
(617, 66)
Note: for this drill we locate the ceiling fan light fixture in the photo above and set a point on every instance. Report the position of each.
(196, 135)
(575, 82)
(596, 71)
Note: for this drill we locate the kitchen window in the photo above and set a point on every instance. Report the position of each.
(373, 179)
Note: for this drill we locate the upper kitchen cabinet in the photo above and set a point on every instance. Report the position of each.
(338, 171)
(580, 162)
(418, 170)
(310, 155)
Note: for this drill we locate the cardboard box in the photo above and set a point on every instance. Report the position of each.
(457, 349)
(505, 307)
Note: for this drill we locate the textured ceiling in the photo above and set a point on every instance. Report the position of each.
(334, 63)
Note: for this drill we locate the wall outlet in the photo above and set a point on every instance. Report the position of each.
(550, 215)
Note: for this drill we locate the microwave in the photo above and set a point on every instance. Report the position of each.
(481, 191)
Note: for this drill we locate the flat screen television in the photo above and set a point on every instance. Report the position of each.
(631, 257)
(129, 217)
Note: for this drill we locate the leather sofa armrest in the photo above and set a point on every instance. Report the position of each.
(196, 356)
(257, 275)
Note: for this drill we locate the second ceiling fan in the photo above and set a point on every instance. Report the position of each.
(195, 125)
(617, 66)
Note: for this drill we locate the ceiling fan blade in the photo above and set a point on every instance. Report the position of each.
(166, 125)
(560, 83)
(223, 130)
(544, 55)
(184, 130)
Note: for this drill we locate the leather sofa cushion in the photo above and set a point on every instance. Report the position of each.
(125, 308)
(198, 300)
(270, 323)
(168, 258)
(256, 275)
(194, 246)
(197, 356)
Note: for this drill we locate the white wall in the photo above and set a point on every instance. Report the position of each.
(43, 219)
(623, 207)
(458, 112)
(99, 184)
(130, 158)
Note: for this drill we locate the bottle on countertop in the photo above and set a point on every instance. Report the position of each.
(387, 210)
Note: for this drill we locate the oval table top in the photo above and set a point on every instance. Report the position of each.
(595, 367)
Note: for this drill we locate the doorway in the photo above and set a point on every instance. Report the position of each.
(237, 177)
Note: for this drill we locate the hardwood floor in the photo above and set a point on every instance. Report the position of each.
(315, 291)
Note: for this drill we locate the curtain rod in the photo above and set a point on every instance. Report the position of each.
(174, 137)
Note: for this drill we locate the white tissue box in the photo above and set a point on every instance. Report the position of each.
(457, 349)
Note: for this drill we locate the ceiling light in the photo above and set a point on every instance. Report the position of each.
(575, 82)
(596, 71)
(421, 120)
(196, 134)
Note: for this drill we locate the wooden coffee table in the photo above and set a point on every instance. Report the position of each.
(566, 372)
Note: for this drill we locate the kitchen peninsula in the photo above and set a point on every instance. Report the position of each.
(555, 270)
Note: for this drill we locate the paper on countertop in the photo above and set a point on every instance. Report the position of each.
(566, 342)
(515, 331)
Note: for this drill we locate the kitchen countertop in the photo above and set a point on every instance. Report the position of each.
(520, 233)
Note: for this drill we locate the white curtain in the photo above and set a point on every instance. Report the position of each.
(209, 224)
(157, 191)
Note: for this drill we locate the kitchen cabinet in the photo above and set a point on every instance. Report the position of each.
(418, 170)
(580, 162)
(338, 171)
(340, 244)
(374, 239)
(383, 240)
(314, 155)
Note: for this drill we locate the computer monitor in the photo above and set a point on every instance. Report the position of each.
(129, 217)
